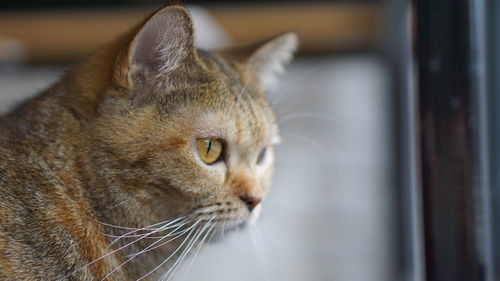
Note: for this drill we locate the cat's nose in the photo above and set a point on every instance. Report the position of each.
(250, 201)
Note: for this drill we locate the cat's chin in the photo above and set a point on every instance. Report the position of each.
(226, 228)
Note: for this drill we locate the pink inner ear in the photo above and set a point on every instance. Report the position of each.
(146, 51)
(164, 42)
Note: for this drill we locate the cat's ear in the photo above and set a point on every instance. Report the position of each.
(270, 58)
(266, 59)
(161, 46)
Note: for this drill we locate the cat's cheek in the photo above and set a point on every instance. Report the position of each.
(265, 170)
(214, 173)
(215, 177)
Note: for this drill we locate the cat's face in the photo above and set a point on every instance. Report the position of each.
(225, 155)
(188, 133)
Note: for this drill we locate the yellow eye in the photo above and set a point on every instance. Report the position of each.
(210, 150)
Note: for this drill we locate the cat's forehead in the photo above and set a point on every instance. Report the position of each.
(243, 125)
(228, 74)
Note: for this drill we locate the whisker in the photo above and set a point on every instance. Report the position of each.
(238, 99)
(117, 172)
(223, 230)
(150, 247)
(171, 255)
(308, 140)
(198, 248)
(302, 77)
(112, 252)
(164, 227)
(288, 117)
(274, 233)
(118, 203)
(134, 228)
(183, 255)
(117, 226)
(176, 264)
(130, 236)
(131, 257)
(256, 239)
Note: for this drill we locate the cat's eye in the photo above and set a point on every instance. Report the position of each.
(210, 150)
(262, 156)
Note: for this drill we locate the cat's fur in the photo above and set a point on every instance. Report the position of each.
(112, 143)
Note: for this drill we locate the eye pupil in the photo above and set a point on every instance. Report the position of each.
(209, 146)
(261, 156)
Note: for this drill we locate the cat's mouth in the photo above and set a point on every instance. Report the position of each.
(219, 220)
(225, 229)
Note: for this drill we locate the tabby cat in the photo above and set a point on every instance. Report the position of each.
(138, 156)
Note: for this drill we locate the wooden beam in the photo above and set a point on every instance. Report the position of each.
(322, 27)
(62, 36)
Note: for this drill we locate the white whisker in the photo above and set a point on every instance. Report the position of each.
(307, 74)
(164, 227)
(282, 120)
(130, 236)
(256, 239)
(308, 140)
(171, 255)
(240, 95)
(175, 266)
(131, 257)
(223, 230)
(172, 233)
(114, 251)
(198, 248)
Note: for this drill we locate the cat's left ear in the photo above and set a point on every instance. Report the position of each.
(267, 58)
(271, 57)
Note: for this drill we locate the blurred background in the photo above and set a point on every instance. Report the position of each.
(332, 213)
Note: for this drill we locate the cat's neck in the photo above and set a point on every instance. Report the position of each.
(60, 120)
(67, 105)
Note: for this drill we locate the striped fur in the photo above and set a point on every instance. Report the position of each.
(109, 148)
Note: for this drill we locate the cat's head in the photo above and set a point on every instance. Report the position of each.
(184, 131)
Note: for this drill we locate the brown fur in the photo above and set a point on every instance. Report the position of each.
(113, 142)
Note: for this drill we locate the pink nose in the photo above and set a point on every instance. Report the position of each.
(251, 202)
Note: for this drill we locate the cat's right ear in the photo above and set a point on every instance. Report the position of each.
(161, 46)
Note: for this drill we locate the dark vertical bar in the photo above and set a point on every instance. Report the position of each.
(493, 40)
(451, 92)
(409, 265)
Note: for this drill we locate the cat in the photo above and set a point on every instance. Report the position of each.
(138, 156)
